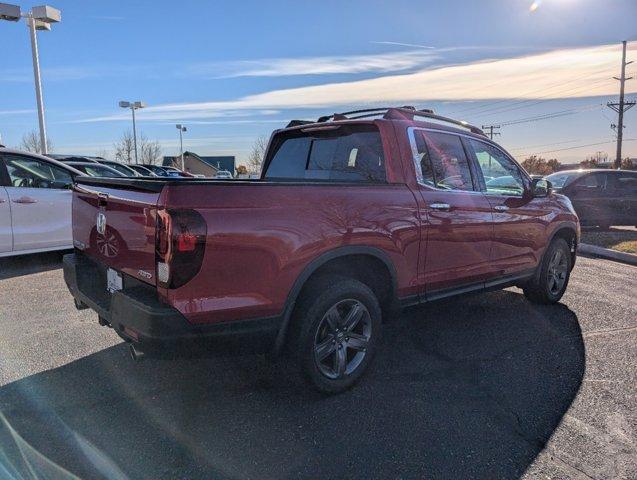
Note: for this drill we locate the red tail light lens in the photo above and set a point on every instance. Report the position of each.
(186, 242)
(180, 245)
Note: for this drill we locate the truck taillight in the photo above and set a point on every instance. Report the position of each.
(180, 244)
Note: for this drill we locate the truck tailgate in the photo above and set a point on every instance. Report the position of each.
(115, 226)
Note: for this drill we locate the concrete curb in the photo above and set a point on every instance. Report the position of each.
(608, 254)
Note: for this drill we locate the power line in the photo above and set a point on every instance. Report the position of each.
(548, 116)
(575, 147)
(559, 86)
(534, 101)
(526, 147)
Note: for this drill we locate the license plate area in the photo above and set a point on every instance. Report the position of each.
(113, 280)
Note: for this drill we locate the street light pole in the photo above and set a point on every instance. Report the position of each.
(38, 83)
(181, 129)
(134, 134)
(133, 106)
(39, 18)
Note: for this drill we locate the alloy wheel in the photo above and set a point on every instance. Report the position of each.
(342, 338)
(557, 271)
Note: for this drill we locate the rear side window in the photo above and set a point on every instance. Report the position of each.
(345, 154)
(440, 161)
(627, 181)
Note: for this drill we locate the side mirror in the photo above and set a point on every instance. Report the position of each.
(540, 187)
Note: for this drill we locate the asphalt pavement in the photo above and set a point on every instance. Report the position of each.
(483, 386)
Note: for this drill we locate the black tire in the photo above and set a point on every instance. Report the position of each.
(544, 287)
(341, 296)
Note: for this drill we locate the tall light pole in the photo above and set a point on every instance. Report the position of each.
(133, 106)
(181, 129)
(39, 18)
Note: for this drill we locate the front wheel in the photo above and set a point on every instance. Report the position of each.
(339, 322)
(551, 279)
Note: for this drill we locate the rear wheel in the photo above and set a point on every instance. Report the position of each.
(338, 329)
(551, 279)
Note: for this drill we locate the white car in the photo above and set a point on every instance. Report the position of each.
(35, 203)
(223, 174)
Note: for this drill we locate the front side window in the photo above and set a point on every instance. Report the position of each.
(34, 173)
(346, 153)
(501, 175)
(440, 161)
(593, 181)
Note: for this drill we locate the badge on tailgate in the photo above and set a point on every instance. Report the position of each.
(113, 280)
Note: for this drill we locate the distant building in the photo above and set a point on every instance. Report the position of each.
(202, 165)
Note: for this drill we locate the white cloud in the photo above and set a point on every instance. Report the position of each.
(278, 67)
(400, 44)
(16, 112)
(69, 73)
(566, 73)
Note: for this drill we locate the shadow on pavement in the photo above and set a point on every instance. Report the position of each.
(17, 266)
(465, 388)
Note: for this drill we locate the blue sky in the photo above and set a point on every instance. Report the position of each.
(232, 71)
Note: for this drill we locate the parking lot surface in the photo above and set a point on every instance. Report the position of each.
(484, 386)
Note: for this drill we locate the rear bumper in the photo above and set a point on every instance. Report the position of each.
(137, 314)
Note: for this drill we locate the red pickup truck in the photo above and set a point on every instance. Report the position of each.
(355, 215)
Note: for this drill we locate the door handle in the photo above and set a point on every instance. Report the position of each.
(501, 208)
(25, 200)
(440, 206)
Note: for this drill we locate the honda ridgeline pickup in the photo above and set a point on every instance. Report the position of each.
(355, 215)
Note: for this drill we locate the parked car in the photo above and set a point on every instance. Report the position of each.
(223, 175)
(95, 169)
(175, 172)
(35, 203)
(601, 197)
(125, 170)
(141, 170)
(73, 158)
(156, 169)
(351, 219)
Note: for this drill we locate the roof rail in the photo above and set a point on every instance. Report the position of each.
(400, 112)
(367, 111)
(298, 123)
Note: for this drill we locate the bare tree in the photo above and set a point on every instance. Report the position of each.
(540, 166)
(257, 154)
(150, 150)
(593, 161)
(125, 148)
(103, 153)
(31, 142)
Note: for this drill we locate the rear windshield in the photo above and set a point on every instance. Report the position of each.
(345, 154)
(123, 169)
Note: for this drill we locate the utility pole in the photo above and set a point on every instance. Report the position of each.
(621, 107)
(490, 130)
